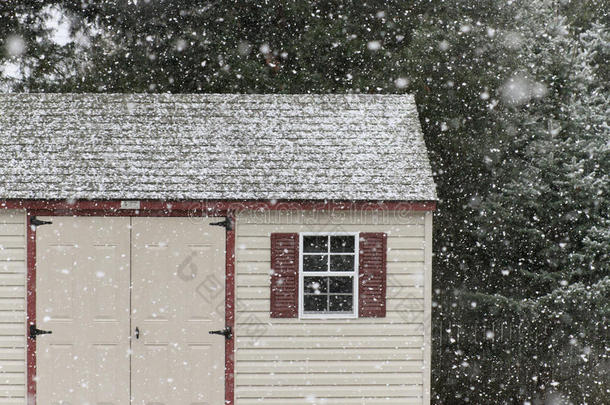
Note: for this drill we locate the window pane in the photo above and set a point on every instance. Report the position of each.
(315, 303)
(342, 244)
(341, 263)
(341, 284)
(315, 262)
(315, 285)
(341, 303)
(315, 244)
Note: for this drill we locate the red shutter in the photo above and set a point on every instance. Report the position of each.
(285, 276)
(372, 275)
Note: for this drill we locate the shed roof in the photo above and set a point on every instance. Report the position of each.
(212, 146)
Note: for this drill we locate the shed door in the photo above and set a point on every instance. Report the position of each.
(82, 279)
(85, 267)
(178, 297)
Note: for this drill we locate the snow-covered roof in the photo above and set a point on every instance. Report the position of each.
(212, 146)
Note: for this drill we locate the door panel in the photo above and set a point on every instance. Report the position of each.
(177, 298)
(84, 267)
(82, 279)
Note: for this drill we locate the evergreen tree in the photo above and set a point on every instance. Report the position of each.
(542, 268)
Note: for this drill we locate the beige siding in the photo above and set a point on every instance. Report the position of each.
(12, 307)
(428, 310)
(343, 361)
(348, 362)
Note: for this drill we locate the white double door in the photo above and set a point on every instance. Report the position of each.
(130, 302)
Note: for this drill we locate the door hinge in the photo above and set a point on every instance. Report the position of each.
(34, 331)
(227, 224)
(226, 332)
(37, 222)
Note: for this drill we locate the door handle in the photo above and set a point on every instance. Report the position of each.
(34, 331)
(226, 332)
(137, 333)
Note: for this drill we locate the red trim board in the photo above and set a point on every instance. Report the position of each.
(211, 207)
(31, 309)
(230, 311)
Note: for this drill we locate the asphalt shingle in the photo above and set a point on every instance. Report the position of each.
(212, 146)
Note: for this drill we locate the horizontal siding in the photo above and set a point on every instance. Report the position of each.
(317, 354)
(12, 307)
(392, 231)
(328, 390)
(332, 342)
(330, 366)
(334, 327)
(333, 401)
(334, 361)
(338, 378)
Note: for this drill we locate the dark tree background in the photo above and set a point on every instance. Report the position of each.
(513, 100)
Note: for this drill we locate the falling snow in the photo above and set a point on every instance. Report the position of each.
(330, 101)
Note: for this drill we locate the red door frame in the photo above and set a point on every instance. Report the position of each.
(158, 208)
(229, 283)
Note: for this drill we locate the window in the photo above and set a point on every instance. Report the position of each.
(328, 275)
(328, 271)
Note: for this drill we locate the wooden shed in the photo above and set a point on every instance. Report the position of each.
(210, 249)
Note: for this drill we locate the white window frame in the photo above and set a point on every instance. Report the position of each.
(355, 273)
